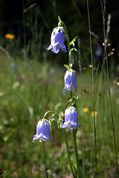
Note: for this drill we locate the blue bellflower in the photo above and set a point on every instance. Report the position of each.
(42, 131)
(99, 53)
(71, 118)
(70, 80)
(57, 40)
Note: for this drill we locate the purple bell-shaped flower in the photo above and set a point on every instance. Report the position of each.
(70, 80)
(71, 118)
(57, 40)
(42, 131)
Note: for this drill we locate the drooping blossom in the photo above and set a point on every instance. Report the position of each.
(70, 80)
(42, 131)
(71, 118)
(57, 40)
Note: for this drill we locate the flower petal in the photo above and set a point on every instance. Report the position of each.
(55, 49)
(63, 48)
(45, 137)
(36, 137)
(49, 48)
(64, 125)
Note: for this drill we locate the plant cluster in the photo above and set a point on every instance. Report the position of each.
(69, 117)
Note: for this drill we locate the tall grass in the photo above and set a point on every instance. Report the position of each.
(26, 93)
(105, 84)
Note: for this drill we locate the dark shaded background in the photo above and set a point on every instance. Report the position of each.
(73, 13)
(16, 17)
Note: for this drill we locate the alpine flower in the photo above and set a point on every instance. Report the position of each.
(71, 118)
(70, 80)
(57, 40)
(42, 131)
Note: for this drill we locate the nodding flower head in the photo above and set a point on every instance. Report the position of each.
(71, 118)
(57, 40)
(42, 131)
(70, 80)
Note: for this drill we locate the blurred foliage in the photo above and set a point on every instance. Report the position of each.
(27, 91)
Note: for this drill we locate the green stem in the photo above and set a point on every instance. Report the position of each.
(68, 153)
(44, 159)
(76, 153)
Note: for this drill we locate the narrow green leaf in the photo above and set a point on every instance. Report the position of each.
(73, 41)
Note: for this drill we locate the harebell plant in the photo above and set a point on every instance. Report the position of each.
(69, 121)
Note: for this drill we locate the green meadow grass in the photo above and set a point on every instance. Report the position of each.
(28, 89)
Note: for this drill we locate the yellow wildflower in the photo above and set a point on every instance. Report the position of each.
(94, 114)
(85, 109)
(9, 36)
